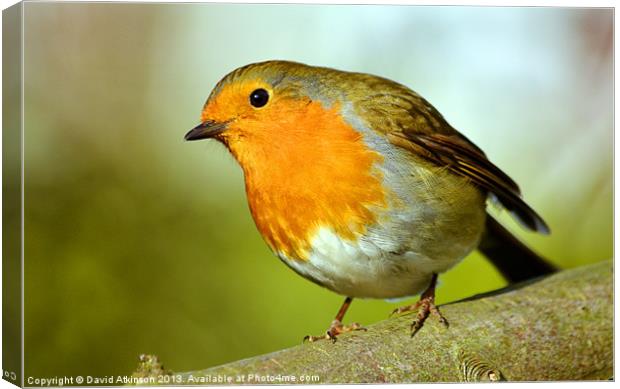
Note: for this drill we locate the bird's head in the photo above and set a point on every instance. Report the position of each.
(275, 109)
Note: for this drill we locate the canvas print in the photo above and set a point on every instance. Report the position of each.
(234, 194)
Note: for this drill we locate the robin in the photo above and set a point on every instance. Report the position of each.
(360, 185)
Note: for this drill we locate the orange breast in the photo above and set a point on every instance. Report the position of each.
(306, 168)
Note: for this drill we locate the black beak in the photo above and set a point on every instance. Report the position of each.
(206, 130)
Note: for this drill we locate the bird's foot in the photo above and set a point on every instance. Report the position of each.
(335, 329)
(425, 307)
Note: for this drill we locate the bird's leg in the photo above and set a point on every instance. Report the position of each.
(424, 307)
(337, 328)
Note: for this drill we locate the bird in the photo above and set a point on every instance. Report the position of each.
(360, 185)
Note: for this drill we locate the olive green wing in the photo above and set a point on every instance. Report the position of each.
(410, 122)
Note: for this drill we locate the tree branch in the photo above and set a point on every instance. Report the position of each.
(556, 328)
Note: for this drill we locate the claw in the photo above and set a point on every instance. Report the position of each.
(334, 330)
(424, 307)
(407, 308)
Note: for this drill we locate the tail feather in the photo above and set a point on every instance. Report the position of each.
(514, 260)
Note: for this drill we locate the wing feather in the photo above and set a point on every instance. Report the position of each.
(411, 122)
(461, 157)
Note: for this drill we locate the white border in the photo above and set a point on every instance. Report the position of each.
(513, 3)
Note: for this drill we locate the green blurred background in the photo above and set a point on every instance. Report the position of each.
(138, 242)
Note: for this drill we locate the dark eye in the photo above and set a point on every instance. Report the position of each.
(259, 98)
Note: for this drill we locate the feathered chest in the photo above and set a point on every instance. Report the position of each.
(291, 209)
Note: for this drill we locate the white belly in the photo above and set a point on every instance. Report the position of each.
(367, 268)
